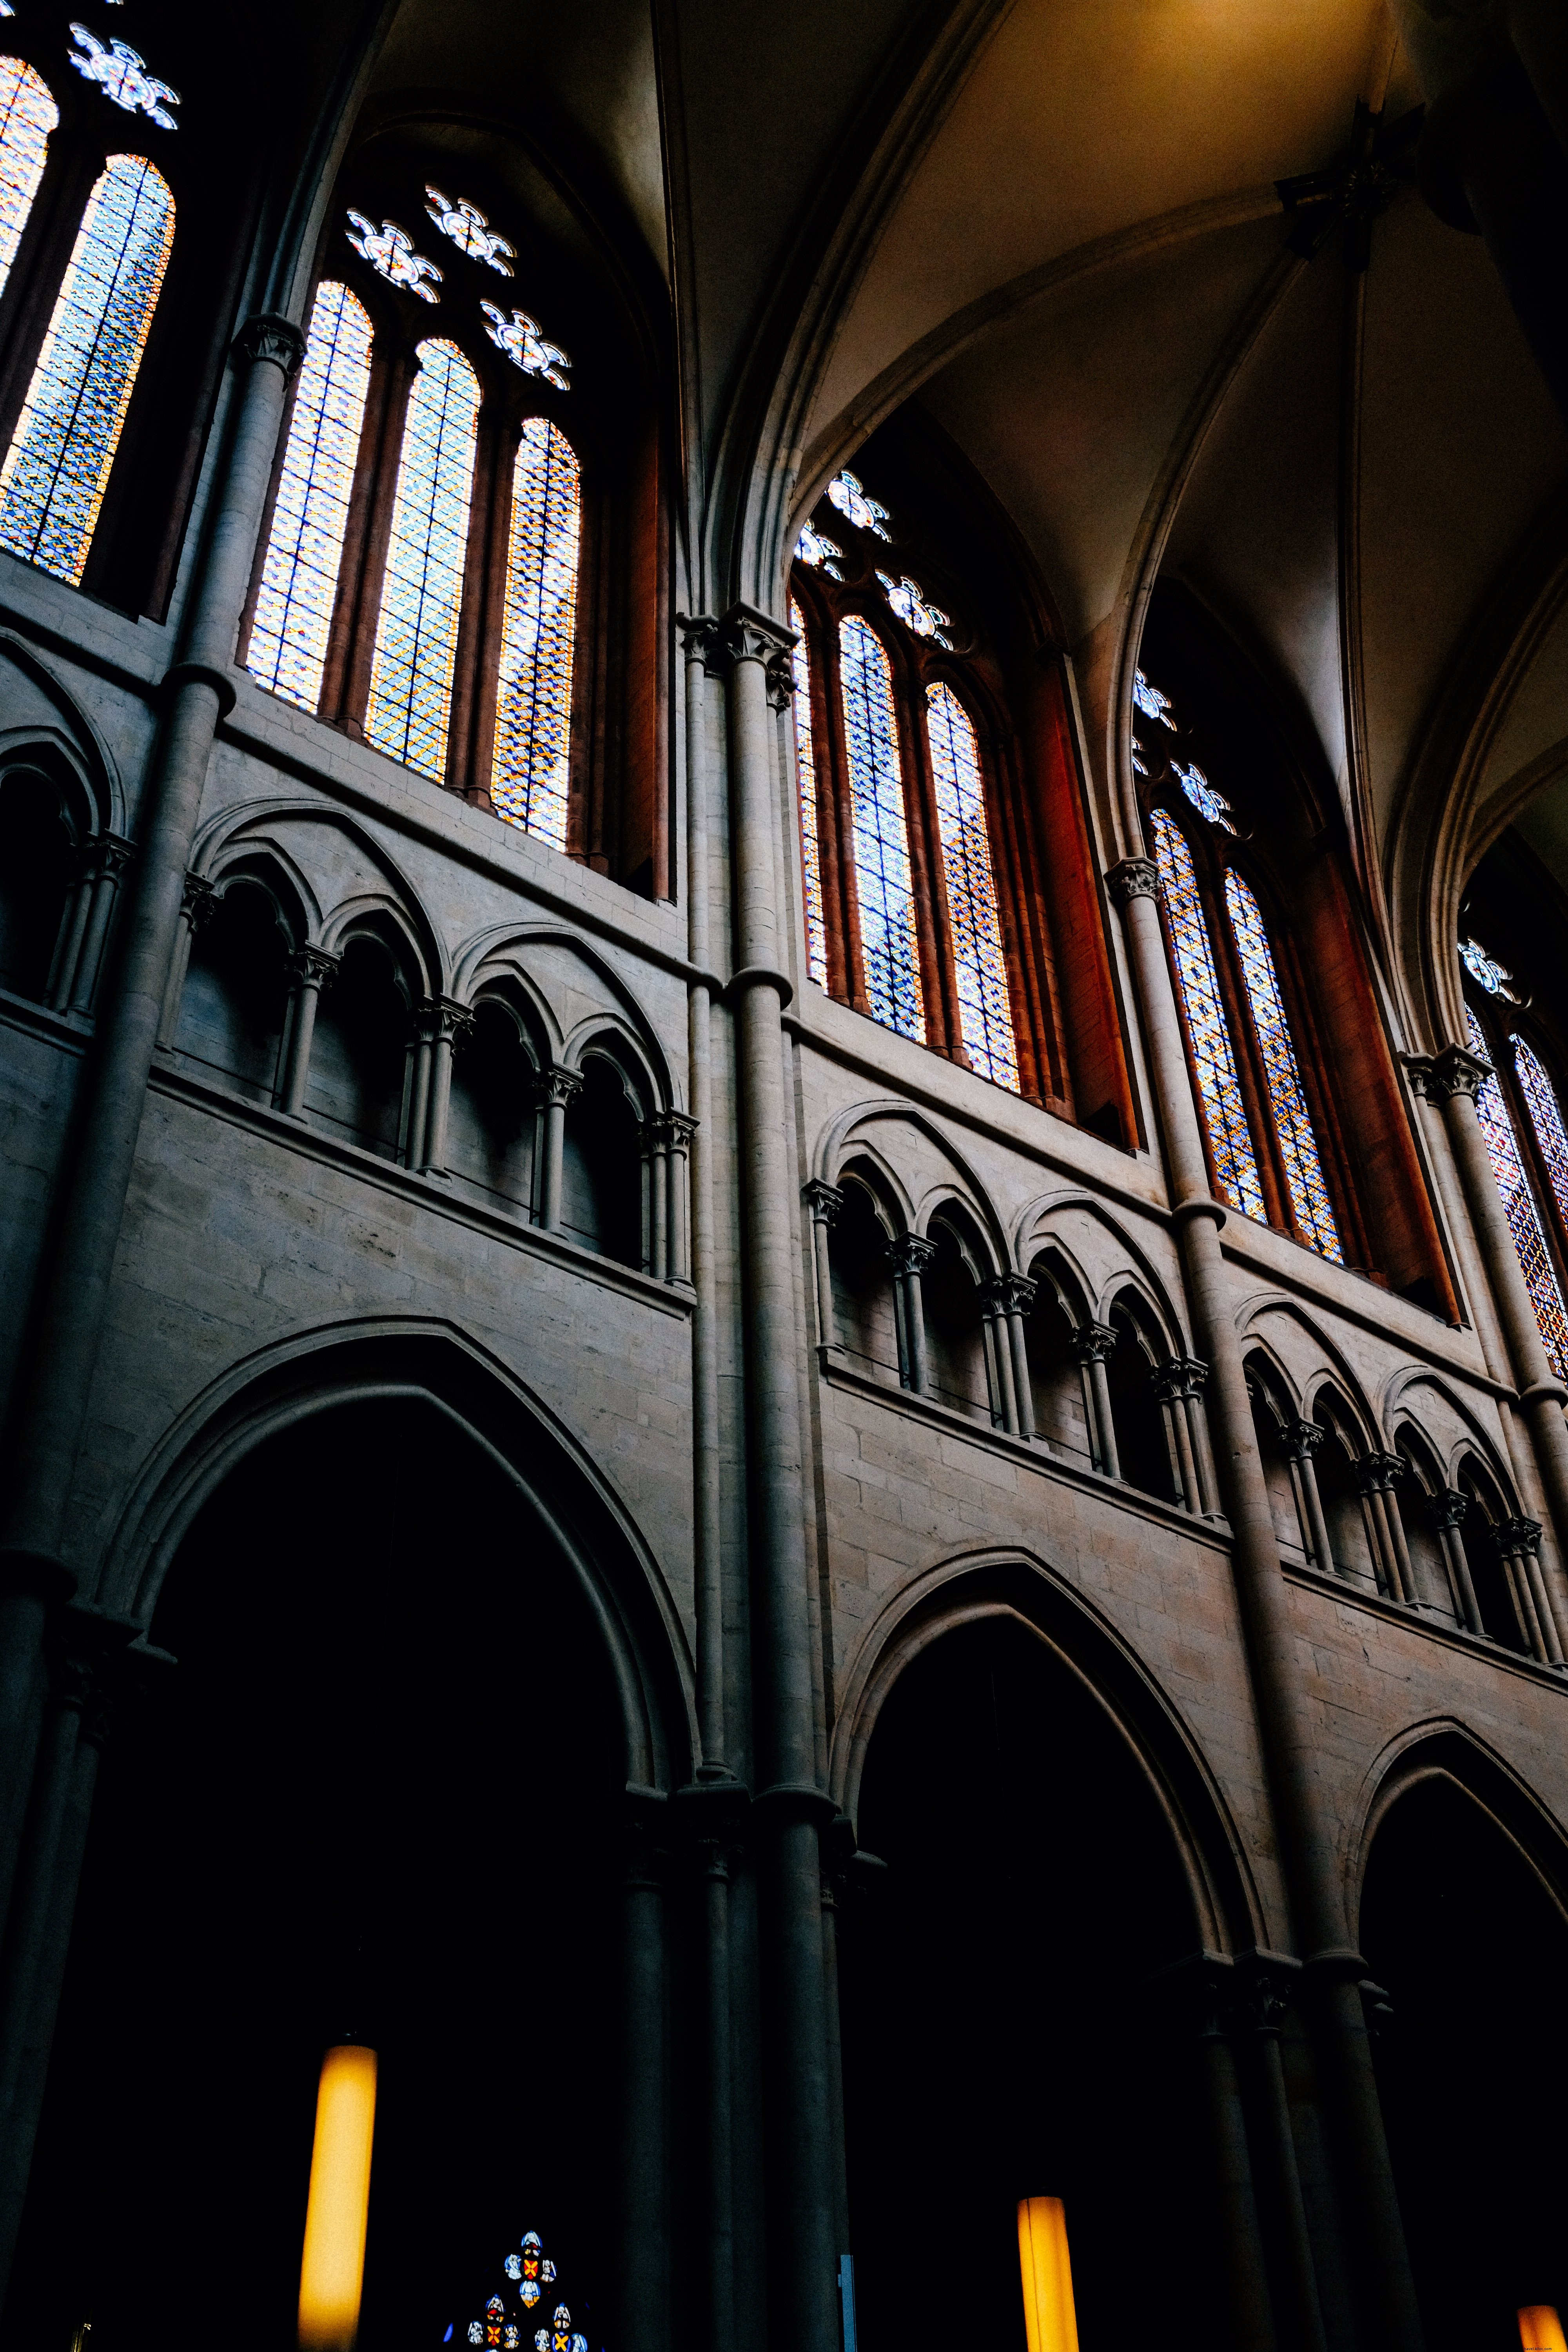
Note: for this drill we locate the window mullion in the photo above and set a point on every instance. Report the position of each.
(474, 673)
(345, 687)
(38, 271)
(820, 648)
(1249, 1068)
(933, 920)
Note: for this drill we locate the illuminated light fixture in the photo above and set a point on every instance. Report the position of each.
(332, 2270)
(1048, 2313)
(1539, 2330)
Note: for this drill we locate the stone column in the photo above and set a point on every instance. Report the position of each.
(642, 2154)
(1018, 1296)
(1308, 1836)
(1302, 1439)
(309, 970)
(1518, 1540)
(656, 1196)
(442, 1021)
(1178, 1384)
(790, 1809)
(679, 1132)
(73, 925)
(824, 1202)
(554, 1088)
(1264, 1997)
(1376, 1474)
(198, 905)
(1447, 1509)
(910, 1255)
(1208, 1984)
(1454, 1077)
(712, 1814)
(113, 856)
(999, 1354)
(1091, 1346)
(71, 1286)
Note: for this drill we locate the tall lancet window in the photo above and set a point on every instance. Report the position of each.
(56, 470)
(1292, 1121)
(290, 634)
(884, 883)
(533, 696)
(810, 835)
(1524, 1222)
(27, 115)
(984, 1012)
(410, 709)
(1545, 1118)
(1208, 1033)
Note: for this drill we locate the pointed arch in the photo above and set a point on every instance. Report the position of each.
(27, 115)
(884, 880)
(531, 770)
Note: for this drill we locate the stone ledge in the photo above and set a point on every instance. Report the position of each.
(1411, 1621)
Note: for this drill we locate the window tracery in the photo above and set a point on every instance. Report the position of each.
(1540, 1277)
(533, 705)
(982, 973)
(1214, 1056)
(848, 494)
(27, 115)
(390, 253)
(56, 470)
(470, 231)
(120, 72)
(300, 577)
(1520, 1116)
(522, 340)
(410, 704)
(925, 620)
(1292, 1121)
(884, 883)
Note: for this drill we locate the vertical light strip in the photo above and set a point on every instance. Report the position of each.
(984, 1005)
(1050, 2318)
(884, 886)
(805, 766)
(1292, 1121)
(288, 651)
(1518, 1207)
(531, 776)
(56, 470)
(1219, 1089)
(331, 2270)
(27, 115)
(410, 709)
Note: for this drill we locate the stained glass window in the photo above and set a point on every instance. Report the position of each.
(422, 591)
(522, 340)
(1545, 1116)
(815, 547)
(121, 74)
(925, 620)
(810, 844)
(288, 649)
(1293, 1122)
(56, 470)
(390, 253)
(499, 2329)
(984, 1006)
(1494, 977)
(27, 115)
(884, 885)
(1518, 1207)
(470, 231)
(848, 494)
(1150, 701)
(1219, 1089)
(532, 764)
(1202, 796)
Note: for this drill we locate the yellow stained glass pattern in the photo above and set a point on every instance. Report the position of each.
(884, 883)
(410, 709)
(1214, 1056)
(533, 768)
(1309, 1201)
(27, 115)
(56, 470)
(288, 649)
(1518, 1207)
(810, 842)
(985, 1005)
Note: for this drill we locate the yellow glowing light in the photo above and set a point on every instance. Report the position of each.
(1048, 2313)
(1539, 2330)
(332, 2270)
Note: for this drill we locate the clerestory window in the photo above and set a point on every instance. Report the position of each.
(1521, 1124)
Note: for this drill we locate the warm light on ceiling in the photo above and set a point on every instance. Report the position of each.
(332, 2270)
(1048, 2313)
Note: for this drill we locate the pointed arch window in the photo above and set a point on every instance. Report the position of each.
(1292, 1121)
(293, 625)
(1208, 1032)
(56, 470)
(1497, 1133)
(410, 706)
(530, 775)
(1522, 1123)
(806, 776)
(982, 974)
(27, 115)
(884, 883)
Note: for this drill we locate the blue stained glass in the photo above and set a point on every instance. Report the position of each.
(985, 1005)
(848, 494)
(910, 604)
(410, 706)
(810, 842)
(884, 886)
(56, 470)
(814, 547)
(1494, 977)
(288, 649)
(1518, 1207)
(1293, 1122)
(532, 773)
(1214, 1056)
(121, 74)
(27, 115)
(1150, 701)
(1545, 1116)
(1202, 796)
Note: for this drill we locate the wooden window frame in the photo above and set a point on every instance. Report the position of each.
(915, 665)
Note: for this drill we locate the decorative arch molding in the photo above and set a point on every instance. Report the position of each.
(1333, 1370)
(1034, 1231)
(842, 1139)
(269, 863)
(234, 830)
(564, 1495)
(58, 726)
(1445, 1749)
(882, 1186)
(1277, 1383)
(503, 948)
(369, 915)
(1021, 1587)
(1397, 1413)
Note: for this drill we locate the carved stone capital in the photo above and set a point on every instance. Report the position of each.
(442, 1018)
(781, 679)
(1418, 1070)
(1379, 1474)
(112, 856)
(824, 1201)
(198, 902)
(699, 636)
(1179, 1378)
(268, 337)
(746, 635)
(310, 967)
(1517, 1536)
(1265, 1987)
(1019, 1293)
(1456, 1071)
(669, 1131)
(1447, 1507)
(1135, 877)
(1302, 1439)
(556, 1086)
(911, 1254)
(1094, 1343)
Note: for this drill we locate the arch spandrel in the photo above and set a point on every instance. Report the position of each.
(925, 1166)
(342, 870)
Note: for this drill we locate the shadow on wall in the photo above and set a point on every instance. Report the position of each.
(35, 867)
(601, 1167)
(236, 997)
